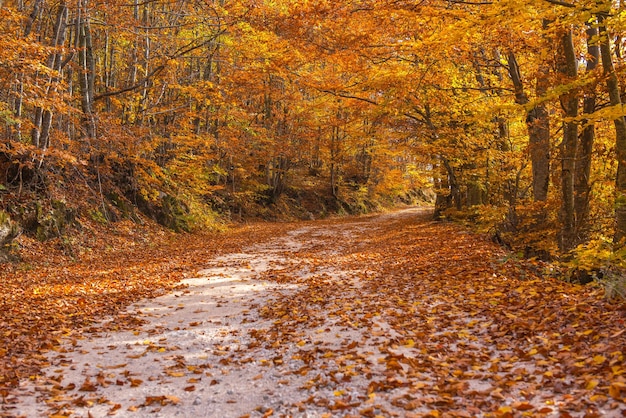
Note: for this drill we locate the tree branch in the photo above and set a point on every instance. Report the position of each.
(471, 3)
(349, 96)
(138, 84)
(561, 3)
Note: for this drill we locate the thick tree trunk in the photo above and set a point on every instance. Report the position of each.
(539, 139)
(277, 175)
(443, 200)
(455, 190)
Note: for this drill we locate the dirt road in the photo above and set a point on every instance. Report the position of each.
(388, 315)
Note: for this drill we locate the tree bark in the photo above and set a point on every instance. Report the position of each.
(43, 117)
(455, 190)
(538, 125)
(568, 67)
(582, 187)
(613, 88)
(87, 70)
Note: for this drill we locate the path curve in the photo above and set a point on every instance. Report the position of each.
(327, 320)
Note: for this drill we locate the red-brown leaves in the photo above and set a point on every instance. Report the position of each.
(458, 327)
(48, 296)
(402, 316)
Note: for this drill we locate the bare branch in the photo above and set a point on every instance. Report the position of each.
(349, 96)
(471, 3)
(561, 3)
(135, 86)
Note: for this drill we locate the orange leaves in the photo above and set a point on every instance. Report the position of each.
(453, 326)
(48, 296)
(162, 400)
(375, 316)
(88, 386)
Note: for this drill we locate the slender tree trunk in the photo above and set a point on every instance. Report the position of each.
(28, 27)
(582, 186)
(43, 117)
(613, 87)
(568, 67)
(538, 125)
(334, 160)
(87, 70)
(19, 94)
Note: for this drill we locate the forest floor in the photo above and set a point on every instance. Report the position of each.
(381, 315)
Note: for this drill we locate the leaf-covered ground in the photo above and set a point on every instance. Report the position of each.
(390, 315)
(49, 295)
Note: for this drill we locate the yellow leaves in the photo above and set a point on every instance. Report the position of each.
(592, 384)
(410, 343)
(599, 359)
(598, 398)
(618, 370)
(463, 334)
(504, 411)
(617, 390)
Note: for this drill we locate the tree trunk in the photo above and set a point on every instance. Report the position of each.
(277, 175)
(582, 186)
(613, 87)
(87, 71)
(538, 125)
(455, 190)
(568, 67)
(443, 201)
(334, 161)
(43, 117)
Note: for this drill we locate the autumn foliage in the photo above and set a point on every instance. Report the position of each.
(510, 112)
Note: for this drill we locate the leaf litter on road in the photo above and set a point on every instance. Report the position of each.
(388, 315)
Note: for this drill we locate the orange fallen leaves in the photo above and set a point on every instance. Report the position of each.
(161, 400)
(49, 296)
(484, 333)
(458, 329)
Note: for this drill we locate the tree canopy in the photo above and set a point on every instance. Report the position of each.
(509, 112)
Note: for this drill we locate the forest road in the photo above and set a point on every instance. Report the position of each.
(385, 315)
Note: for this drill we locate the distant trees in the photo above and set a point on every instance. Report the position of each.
(509, 110)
